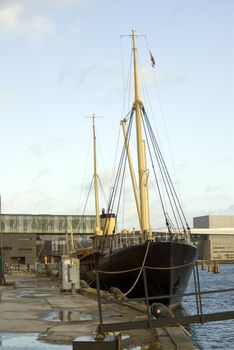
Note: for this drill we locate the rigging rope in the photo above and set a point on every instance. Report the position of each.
(125, 159)
(102, 189)
(85, 169)
(164, 120)
(128, 85)
(166, 177)
(143, 263)
(156, 179)
(78, 227)
(166, 184)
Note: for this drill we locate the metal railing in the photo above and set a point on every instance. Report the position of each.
(152, 322)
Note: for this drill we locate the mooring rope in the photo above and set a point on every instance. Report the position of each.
(147, 267)
(146, 253)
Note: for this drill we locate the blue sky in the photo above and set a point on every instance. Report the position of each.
(61, 60)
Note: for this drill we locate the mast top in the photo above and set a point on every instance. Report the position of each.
(97, 229)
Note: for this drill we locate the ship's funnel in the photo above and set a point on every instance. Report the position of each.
(108, 223)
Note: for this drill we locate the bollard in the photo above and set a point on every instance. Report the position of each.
(216, 268)
(211, 267)
(203, 266)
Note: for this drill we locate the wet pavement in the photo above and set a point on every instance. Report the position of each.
(27, 341)
(36, 306)
(34, 314)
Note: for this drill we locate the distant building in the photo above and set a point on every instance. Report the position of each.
(214, 235)
(25, 238)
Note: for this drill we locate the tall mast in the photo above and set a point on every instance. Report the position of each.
(140, 150)
(95, 177)
(134, 183)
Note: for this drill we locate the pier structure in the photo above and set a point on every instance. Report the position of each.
(29, 238)
(36, 307)
(214, 235)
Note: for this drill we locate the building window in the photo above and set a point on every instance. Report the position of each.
(75, 224)
(25, 224)
(62, 225)
(2, 225)
(25, 249)
(13, 224)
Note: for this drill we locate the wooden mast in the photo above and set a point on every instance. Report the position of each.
(134, 183)
(143, 186)
(95, 178)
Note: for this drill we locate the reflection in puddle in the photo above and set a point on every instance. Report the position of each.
(31, 294)
(26, 341)
(24, 293)
(91, 338)
(67, 316)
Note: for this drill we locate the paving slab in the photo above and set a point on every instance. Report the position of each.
(36, 305)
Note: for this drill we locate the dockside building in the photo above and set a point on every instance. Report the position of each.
(214, 235)
(27, 238)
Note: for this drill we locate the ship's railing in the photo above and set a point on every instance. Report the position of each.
(121, 240)
(169, 319)
(117, 241)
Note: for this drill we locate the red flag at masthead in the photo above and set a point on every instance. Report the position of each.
(152, 60)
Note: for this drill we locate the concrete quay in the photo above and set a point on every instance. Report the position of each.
(31, 304)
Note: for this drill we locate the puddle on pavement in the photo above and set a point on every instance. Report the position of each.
(91, 338)
(27, 341)
(67, 316)
(24, 293)
(31, 294)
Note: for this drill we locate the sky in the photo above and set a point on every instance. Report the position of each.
(62, 60)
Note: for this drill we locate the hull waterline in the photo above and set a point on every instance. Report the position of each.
(168, 269)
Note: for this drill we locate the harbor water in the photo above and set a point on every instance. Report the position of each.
(27, 341)
(212, 335)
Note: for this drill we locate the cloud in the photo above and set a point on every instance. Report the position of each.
(31, 200)
(151, 78)
(36, 149)
(43, 205)
(71, 73)
(212, 189)
(9, 16)
(39, 147)
(32, 20)
(63, 3)
(9, 97)
(15, 20)
(57, 142)
(171, 78)
(41, 174)
(221, 161)
(183, 165)
(90, 77)
(229, 210)
(37, 28)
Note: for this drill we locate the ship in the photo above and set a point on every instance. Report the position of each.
(147, 263)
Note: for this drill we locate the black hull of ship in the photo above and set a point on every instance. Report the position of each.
(178, 256)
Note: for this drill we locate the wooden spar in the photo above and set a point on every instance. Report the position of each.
(147, 193)
(133, 177)
(143, 186)
(95, 177)
(97, 229)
